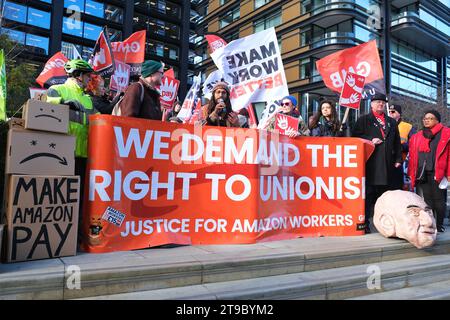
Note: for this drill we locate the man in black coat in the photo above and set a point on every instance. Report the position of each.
(383, 132)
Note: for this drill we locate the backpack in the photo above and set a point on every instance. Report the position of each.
(117, 111)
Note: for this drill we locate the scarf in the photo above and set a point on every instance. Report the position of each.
(426, 135)
(382, 121)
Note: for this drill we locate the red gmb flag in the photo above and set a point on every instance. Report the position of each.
(53, 72)
(102, 58)
(363, 60)
(131, 51)
(215, 42)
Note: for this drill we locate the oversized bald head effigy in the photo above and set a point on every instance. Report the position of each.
(405, 215)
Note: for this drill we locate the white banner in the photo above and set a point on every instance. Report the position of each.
(213, 78)
(253, 68)
(269, 112)
(189, 102)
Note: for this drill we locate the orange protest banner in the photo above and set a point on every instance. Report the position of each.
(153, 183)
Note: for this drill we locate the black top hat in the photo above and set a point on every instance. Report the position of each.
(379, 96)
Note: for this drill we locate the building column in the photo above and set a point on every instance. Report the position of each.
(128, 15)
(56, 27)
(386, 44)
(443, 81)
(184, 49)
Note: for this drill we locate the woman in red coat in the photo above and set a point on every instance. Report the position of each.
(429, 164)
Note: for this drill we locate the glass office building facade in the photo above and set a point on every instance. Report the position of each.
(413, 38)
(48, 26)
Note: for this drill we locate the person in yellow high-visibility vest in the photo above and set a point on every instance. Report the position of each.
(72, 93)
(406, 131)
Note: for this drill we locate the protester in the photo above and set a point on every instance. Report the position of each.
(429, 164)
(383, 132)
(172, 115)
(141, 99)
(243, 116)
(96, 89)
(218, 111)
(325, 122)
(288, 107)
(406, 130)
(72, 93)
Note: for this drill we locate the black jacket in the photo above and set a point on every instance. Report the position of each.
(381, 165)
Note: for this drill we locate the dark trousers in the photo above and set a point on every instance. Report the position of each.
(372, 195)
(434, 197)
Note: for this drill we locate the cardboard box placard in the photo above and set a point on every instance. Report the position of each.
(16, 123)
(40, 153)
(42, 217)
(45, 116)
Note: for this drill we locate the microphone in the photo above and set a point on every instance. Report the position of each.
(224, 110)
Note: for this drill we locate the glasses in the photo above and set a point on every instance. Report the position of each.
(429, 119)
(288, 104)
(392, 111)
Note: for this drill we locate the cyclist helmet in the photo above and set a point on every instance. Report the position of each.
(77, 65)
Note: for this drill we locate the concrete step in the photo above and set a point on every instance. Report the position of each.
(160, 268)
(431, 291)
(337, 283)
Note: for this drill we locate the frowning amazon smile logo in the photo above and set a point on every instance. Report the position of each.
(52, 145)
(47, 115)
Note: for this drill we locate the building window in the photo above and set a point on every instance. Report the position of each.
(38, 42)
(14, 35)
(268, 22)
(38, 18)
(15, 12)
(404, 53)
(305, 69)
(74, 5)
(364, 34)
(95, 8)
(113, 13)
(165, 8)
(308, 69)
(306, 6)
(434, 21)
(140, 21)
(413, 86)
(233, 36)
(68, 49)
(229, 17)
(87, 53)
(72, 26)
(91, 31)
(159, 49)
(159, 28)
(260, 3)
(115, 35)
(173, 54)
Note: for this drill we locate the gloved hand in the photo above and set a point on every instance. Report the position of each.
(74, 105)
